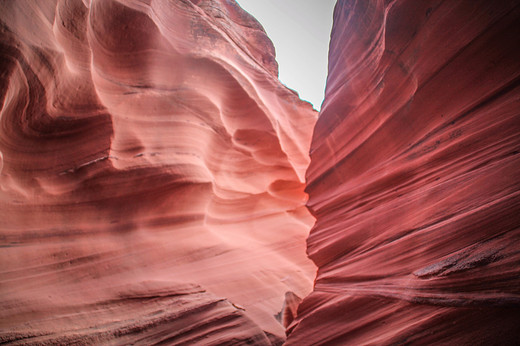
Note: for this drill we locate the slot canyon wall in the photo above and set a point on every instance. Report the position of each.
(415, 177)
(152, 175)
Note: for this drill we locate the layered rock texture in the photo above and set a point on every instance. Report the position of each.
(152, 175)
(415, 177)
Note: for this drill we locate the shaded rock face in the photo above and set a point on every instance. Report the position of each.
(152, 175)
(414, 177)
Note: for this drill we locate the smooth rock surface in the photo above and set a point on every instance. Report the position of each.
(152, 175)
(415, 177)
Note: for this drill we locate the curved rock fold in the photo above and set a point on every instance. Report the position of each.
(146, 146)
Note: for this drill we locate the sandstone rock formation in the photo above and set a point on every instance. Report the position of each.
(415, 177)
(152, 172)
(152, 175)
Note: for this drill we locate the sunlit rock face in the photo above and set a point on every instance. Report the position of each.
(415, 177)
(152, 175)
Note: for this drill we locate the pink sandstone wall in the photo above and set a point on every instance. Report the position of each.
(152, 175)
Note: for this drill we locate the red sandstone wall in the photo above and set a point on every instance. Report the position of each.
(152, 171)
(415, 177)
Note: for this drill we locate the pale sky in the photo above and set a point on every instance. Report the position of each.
(300, 31)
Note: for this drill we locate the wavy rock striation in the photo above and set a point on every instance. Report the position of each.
(415, 177)
(152, 175)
